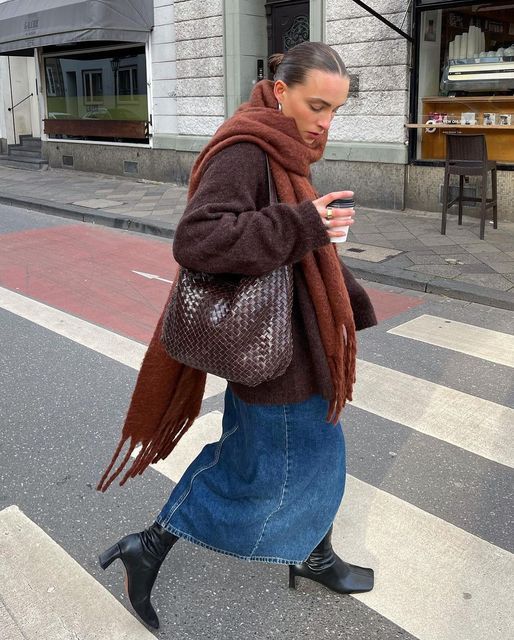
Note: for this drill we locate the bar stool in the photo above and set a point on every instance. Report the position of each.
(466, 155)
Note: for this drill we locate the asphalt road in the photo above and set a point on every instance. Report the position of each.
(428, 442)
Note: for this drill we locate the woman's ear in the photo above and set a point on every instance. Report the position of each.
(279, 88)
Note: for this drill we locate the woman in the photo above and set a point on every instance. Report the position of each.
(271, 487)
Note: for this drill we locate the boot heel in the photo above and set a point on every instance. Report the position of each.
(109, 556)
(292, 577)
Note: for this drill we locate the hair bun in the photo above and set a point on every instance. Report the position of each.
(274, 61)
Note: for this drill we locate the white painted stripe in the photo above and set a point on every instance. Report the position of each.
(424, 567)
(458, 336)
(206, 429)
(47, 595)
(480, 426)
(124, 350)
(433, 579)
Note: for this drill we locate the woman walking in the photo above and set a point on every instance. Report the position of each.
(270, 488)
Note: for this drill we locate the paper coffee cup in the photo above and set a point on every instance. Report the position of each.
(344, 203)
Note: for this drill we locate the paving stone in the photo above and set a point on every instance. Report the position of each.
(409, 245)
(491, 280)
(399, 262)
(475, 268)
(391, 227)
(461, 236)
(501, 267)
(359, 227)
(464, 258)
(372, 239)
(370, 253)
(435, 241)
(97, 203)
(398, 235)
(436, 270)
(425, 258)
(448, 250)
(499, 256)
(485, 247)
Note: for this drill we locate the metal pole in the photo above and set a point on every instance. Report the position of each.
(12, 99)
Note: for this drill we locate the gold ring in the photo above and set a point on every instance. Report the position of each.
(329, 214)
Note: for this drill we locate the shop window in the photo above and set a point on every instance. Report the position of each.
(465, 77)
(105, 86)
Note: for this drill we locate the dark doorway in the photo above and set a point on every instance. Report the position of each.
(288, 24)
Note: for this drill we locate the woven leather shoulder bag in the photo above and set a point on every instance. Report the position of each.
(236, 327)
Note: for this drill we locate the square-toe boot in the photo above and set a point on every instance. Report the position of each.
(142, 555)
(325, 567)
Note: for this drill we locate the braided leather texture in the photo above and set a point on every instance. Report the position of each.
(238, 328)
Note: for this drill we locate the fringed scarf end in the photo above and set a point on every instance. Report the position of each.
(106, 480)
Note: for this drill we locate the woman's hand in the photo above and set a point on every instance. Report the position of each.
(339, 217)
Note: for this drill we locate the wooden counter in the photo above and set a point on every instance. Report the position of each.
(500, 138)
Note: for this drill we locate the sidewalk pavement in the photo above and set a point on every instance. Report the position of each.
(401, 248)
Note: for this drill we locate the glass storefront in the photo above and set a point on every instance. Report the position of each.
(103, 86)
(465, 77)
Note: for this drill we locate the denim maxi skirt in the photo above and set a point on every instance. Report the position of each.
(269, 489)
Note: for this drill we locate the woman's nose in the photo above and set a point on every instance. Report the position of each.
(324, 122)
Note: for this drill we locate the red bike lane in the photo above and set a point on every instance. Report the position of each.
(95, 273)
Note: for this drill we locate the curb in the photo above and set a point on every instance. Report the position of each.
(418, 282)
(373, 272)
(92, 216)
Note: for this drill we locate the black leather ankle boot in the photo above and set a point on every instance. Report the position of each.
(325, 567)
(142, 555)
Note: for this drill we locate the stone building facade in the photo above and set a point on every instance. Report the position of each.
(202, 58)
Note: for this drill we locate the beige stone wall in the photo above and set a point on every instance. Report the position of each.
(164, 68)
(199, 51)
(379, 56)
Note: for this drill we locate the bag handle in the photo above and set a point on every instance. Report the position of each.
(273, 198)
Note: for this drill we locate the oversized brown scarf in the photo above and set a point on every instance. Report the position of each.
(168, 395)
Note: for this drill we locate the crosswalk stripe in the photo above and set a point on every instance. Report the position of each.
(206, 429)
(493, 346)
(474, 424)
(110, 344)
(480, 426)
(426, 568)
(433, 579)
(46, 594)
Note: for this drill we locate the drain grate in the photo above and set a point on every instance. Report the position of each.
(130, 166)
(356, 250)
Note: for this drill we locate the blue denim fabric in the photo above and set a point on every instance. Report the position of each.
(269, 489)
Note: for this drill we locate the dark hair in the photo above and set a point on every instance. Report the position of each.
(292, 67)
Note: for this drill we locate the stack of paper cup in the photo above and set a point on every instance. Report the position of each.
(470, 48)
(456, 46)
(463, 45)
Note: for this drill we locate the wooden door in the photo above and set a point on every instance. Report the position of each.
(288, 24)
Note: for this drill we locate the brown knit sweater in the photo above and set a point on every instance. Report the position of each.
(229, 227)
